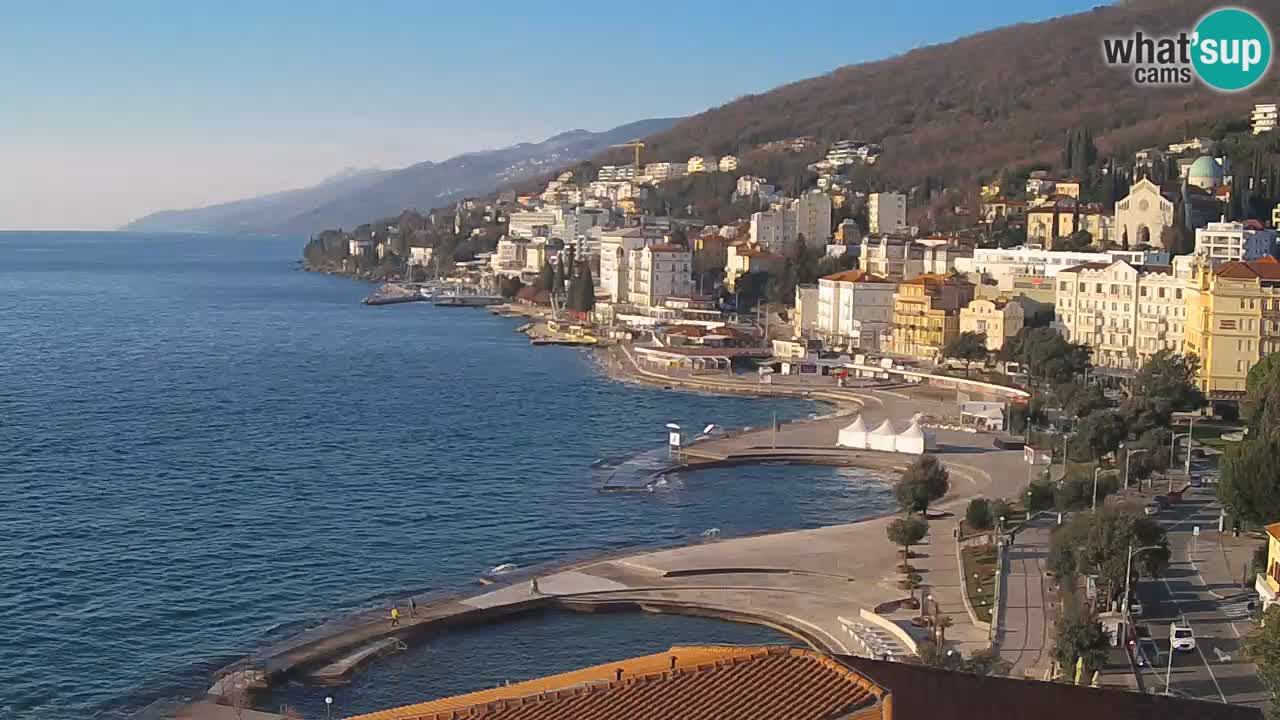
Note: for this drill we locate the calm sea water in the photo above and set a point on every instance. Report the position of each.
(202, 448)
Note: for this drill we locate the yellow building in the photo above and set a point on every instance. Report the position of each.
(1268, 581)
(926, 314)
(742, 258)
(1046, 223)
(999, 319)
(1070, 188)
(1233, 321)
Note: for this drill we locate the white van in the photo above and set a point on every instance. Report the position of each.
(1181, 637)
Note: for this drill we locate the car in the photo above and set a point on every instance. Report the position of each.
(1151, 509)
(1135, 607)
(1181, 637)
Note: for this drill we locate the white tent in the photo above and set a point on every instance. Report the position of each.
(883, 438)
(854, 435)
(913, 441)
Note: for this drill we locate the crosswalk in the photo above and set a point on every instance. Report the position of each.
(1237, 610)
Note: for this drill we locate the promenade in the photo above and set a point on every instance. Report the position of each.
(833, 587)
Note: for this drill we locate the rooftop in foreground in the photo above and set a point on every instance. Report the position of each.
(761, 683)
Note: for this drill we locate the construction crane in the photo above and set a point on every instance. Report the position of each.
(637, 145)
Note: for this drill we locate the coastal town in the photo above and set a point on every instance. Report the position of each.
(1071, 369)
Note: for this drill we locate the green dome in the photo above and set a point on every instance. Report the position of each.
(1205, 168)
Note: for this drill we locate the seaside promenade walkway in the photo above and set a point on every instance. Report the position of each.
(818, 585)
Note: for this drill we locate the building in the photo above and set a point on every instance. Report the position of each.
(897, 258)
(999, 319)
(850, 152)
(751, 186)
(1126, 313)
(926, 315)
(855, 309)
(664, 171)
(698, 164)
(1003, 208)
(508, 259)
(1143, 215)
(1006, 266)
(774, 230)
(1233, 321)
(722, 682)
(1199, 144)
(1275, 217)
(1069, 188)
(710, 253)
(806, 312)
(549, 221)
(657, 272)
(1221, 242)
(1040, 184)
(886, 212)
(1267, 583)
(1206, 173)
(813, 218)
(1063, 217)
(728, 163)
(742, 258)
(616, 173)
(1264, 118)
(616, 247)
(420, 256)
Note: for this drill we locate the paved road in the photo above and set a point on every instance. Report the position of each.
(1025, 637)
(1218, 623)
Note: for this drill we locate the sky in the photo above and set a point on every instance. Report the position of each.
(112, 110)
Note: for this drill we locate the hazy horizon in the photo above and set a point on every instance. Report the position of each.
(113, 114)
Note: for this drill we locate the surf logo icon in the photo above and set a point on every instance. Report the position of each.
(1229, 50)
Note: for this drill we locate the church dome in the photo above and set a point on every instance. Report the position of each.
(1205, 172)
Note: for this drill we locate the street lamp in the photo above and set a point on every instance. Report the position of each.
(328, 707)
(1128, 574)
(1127, 458)
(1096, 472)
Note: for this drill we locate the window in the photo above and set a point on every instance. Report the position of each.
(1160, 292)
(1178, 293)
(1226, 324)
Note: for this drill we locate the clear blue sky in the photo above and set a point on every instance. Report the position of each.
(115, 109)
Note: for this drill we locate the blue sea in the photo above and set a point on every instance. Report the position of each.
(204, 449)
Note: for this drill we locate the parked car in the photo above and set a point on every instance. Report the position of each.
(1135, 607)
(1151, 509)
(1181, 637)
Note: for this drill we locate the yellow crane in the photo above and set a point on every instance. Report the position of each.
(637, 145)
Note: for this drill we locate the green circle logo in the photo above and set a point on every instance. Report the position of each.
(1231, 49)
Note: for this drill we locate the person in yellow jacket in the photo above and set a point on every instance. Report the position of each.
(395, 616)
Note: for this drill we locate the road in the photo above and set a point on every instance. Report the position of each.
(1214, 610)
(1025, 635)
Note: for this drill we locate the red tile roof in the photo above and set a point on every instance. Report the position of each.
(750, 682)
(1268, 268)
(855, 276)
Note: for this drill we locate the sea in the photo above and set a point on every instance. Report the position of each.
(204, 449)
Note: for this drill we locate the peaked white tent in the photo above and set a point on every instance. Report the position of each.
(854, 435)
(912, 441)
(883, 438)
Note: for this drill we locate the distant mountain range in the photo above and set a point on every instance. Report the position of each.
(353, 196)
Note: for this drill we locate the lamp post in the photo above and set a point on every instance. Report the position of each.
(1096, 472)
(1128, 456)
(1191, 441)
(328, 707)
(1128, 573)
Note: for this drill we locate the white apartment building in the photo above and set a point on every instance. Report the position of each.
(849, 152)
(1264, 118)
(420, 256)
(749, 185)
(728, 163)
(1126, 313)
(1005, 265)
(616, 173)
(615, 256)
(663, 171)
(813, 218)
(1223, 242)
(806, 313)
(855, 309)
(900, 258)
(546, 222)
(509, 258)
(774, 231)
(658, 272)
(887, 212)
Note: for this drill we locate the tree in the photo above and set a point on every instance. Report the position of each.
(1098, 434)
(1099, 542)
(1079, 636)
(1250, 479)
(978, 514)
(1171, 377)
(1261, 406)
(1078, 399)
(510, 286)
(969, 347)
(546, 277)
(1143, 413)
(1263, 647)
(924, 481)
(1049, 358)
(906, 532)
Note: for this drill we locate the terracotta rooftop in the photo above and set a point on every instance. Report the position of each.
(1274, 530)
(668, 247)
(854, 276)
(937, 279)
(1268, 268)
(706, 683)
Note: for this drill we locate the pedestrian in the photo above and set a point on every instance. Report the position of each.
(395, 616)
(413, 607)
(533, 587)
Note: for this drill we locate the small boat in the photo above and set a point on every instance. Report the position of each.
(502, 569)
